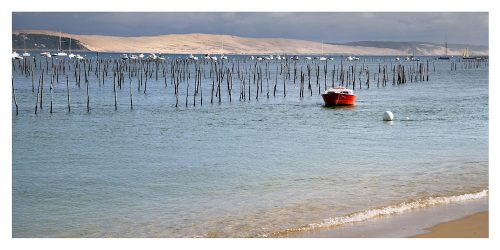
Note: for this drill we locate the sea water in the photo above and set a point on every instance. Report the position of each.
(248, 168)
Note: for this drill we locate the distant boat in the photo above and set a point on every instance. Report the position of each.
(124, 57)
(25, 54)
(339, 96)
(133, 57)
(60, 53)
(322, 58)
(222, 56)
(153, 56)
(352, 58)
(71, 55)
(331, 58)
(191, 57)
(295, 58)
(79, 57)
(466, 56)
(46, 54)
(16, 56)
(141, 56)
(445, 57)
(397, 59)
(412, 58)
(308, 58)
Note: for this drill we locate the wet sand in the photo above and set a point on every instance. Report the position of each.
(417, 223)
(472, 226)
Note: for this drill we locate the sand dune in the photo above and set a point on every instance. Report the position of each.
(212, 44)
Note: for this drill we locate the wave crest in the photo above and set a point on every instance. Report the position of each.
(387, 210)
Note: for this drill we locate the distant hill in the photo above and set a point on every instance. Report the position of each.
(212, 44)
(421, 48)
(21, 41)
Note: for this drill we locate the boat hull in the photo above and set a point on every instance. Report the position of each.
(337, 99)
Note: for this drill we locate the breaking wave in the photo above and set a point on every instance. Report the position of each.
(384, 211)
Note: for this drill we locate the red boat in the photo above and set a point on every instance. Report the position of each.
(339, 96)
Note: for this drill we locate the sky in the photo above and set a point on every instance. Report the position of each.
(336, 27)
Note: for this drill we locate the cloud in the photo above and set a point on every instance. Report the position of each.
(456, 27)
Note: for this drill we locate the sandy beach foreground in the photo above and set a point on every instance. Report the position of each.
(472, 226)
(463, 219)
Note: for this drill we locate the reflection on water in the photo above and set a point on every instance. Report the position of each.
(239, 168)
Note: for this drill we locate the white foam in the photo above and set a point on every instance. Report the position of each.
(390, 210)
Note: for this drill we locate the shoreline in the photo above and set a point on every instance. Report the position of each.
(415, 223)
(471, 226)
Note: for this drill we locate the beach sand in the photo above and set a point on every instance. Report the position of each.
(472, 226)
(465, 219)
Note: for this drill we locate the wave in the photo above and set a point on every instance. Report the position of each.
(385, 211)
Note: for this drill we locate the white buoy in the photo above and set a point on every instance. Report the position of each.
(388, 116)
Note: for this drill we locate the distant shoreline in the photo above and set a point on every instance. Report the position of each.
(228, 44)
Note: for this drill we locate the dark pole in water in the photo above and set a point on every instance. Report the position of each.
(114, 92)
(37, 94)
(67, 88)
(51, 93)
(14, 96)
(88, 98)
(41, 93)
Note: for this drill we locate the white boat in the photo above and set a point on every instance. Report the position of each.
(79, 57)
(278, 57)
(160, 58)
(191, 57)
(252, 57)
(153, 56)
(133, 57)
(295, 58)
(331, 58)
(71, 55)
(26, 53)
(308, 58)
(397, 59)
(466, 55)
(46, 54)
(214, 58)
(412, 58)
(222, 56)
(124, 57)
(16, 56)
(60, 53)
(352, 58)
(141, 56)
(322, 58)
